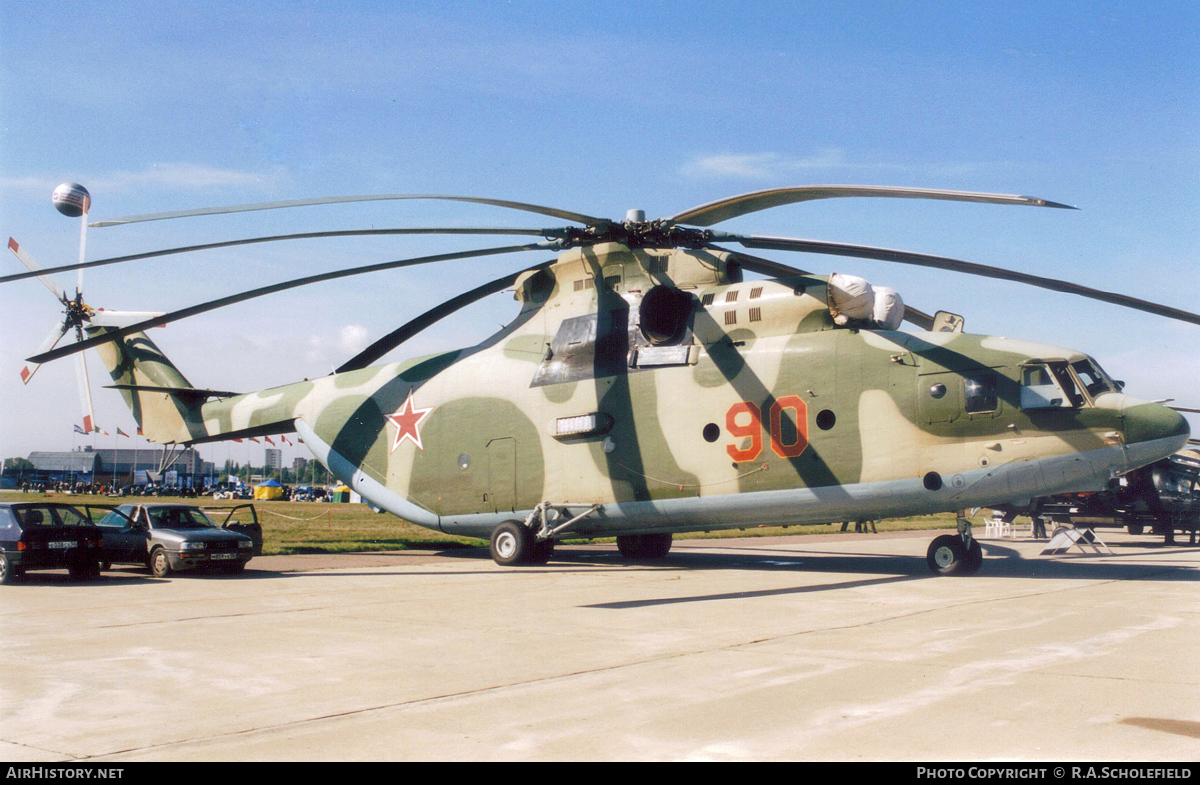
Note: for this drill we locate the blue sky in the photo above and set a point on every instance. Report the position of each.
(594, 107)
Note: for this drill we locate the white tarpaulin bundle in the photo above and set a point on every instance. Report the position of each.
(854, 299)
(850, 297)
(889, 308)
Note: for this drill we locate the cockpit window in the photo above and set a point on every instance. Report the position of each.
(1049, 386)
(1067, 382)
(1092, 377)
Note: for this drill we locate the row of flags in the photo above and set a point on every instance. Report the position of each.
(101, 431)
(97, 429)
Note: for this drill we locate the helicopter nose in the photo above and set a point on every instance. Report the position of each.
(1152, 431)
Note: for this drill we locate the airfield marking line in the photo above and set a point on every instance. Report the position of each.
(25, 746)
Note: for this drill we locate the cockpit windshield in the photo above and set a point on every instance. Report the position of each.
(1094, 380)
(1058, 384)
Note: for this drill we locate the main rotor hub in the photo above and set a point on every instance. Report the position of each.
(659, 233)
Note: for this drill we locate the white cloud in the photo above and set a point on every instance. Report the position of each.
(186, 176)
(761, 165)
(347, 342)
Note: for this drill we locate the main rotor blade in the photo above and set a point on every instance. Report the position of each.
(945, 263)
(773, 268)
(427, 319)
(211, 305)
(734, 206)
(279, 237)
(565, 215)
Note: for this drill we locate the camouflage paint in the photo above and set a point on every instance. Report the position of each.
(771, 413)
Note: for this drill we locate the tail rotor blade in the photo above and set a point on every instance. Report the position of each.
(36, 270)
(85, 395)
(52, 338)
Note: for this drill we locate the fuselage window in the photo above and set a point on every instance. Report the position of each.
(980, 393)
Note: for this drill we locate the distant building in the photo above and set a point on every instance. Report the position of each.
(116, 466)
(299, 465)
(67, 465)
(274, 459)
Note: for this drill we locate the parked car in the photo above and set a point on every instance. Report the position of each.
(173, 537)
(47, 536)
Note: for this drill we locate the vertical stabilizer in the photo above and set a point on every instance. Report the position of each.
(162, 415)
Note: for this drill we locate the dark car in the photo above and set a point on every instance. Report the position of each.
(171, 537)
(47, 536)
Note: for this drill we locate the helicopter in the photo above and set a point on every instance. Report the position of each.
(647, 387)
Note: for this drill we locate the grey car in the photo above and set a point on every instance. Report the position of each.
(171, 537)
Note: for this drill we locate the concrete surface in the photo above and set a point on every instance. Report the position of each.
(840, 647)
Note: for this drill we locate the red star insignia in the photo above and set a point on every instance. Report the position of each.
(407, 421)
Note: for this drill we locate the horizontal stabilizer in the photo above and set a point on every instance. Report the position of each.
(186, 393)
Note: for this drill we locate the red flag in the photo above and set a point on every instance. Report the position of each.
(256, 441)
(268, 438)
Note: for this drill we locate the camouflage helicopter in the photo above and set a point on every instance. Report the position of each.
(647, 388)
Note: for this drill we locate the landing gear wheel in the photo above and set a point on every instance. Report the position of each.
(644, 546)
(160, 565)
(947, 555)
(511, 544)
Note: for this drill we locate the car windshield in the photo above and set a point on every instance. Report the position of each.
(118, 518)
(179, 518)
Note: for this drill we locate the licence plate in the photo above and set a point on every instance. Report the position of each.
(219, 556)
(64, 544)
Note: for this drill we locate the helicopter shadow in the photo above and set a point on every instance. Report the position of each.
(999, 562)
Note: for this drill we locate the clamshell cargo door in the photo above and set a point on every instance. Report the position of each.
(502, 474)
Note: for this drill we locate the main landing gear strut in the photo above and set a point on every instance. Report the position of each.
(531, 541)
(955, 554)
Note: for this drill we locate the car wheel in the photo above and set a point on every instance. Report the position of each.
(160, 565)
(7, 573)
